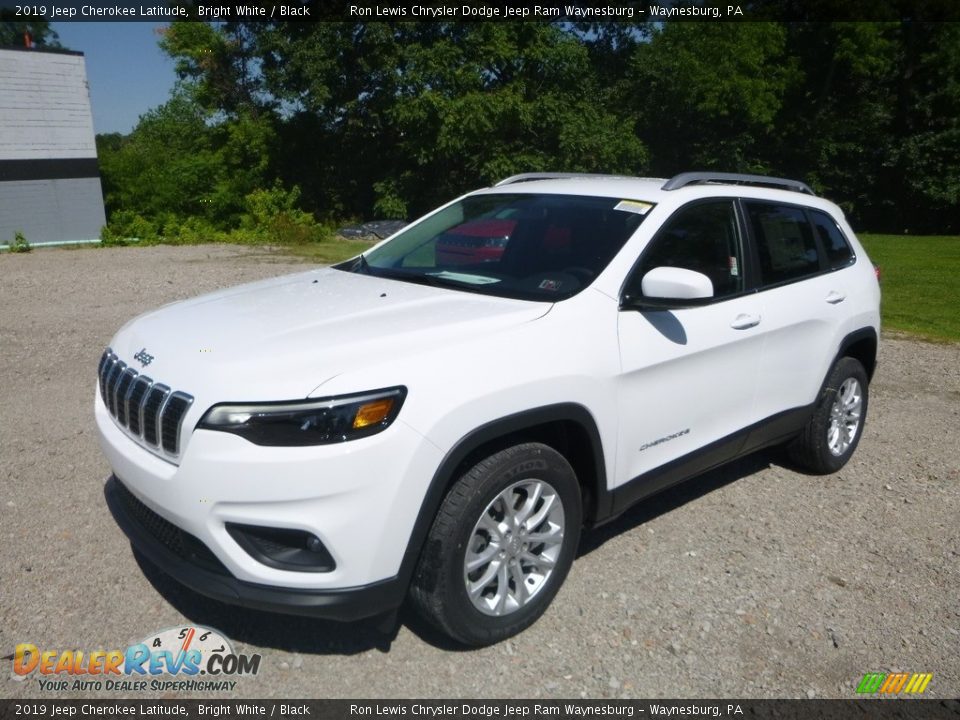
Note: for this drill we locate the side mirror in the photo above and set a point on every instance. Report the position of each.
(672, 283)
(671, 287)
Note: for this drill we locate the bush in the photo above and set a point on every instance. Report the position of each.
(126, 226)
(19, 244)
(389, 203)
(273, 216)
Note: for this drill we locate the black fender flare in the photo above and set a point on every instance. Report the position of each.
(866, 333)
(445, 475)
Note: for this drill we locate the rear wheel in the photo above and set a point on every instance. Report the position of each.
(501, 545)
(834, 430)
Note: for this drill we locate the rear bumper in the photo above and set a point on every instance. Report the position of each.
(189, 562)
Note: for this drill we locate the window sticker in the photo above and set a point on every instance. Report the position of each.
(633, 206)
(552, 285)
(734, 268)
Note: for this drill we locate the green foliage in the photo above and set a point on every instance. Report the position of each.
(706, 95)
(218, 65)
(19, 243)
(919, 283)
(273, 215)
(12, 31)
(177, 160)
(277, 125)
(270, 216)
(429, 110)
(388, 204)
(836, 124)
(927, 158)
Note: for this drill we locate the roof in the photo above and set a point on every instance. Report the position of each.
(678, 189)
(41, 50)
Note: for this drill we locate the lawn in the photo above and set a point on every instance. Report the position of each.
(328, 251)
(920, 281)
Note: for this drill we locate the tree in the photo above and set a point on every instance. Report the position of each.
(422, 111)
(218, 65)
(388, 119)
(707, 95)
(928, 121)
(16, 32)
(176, 164)
(836, 125)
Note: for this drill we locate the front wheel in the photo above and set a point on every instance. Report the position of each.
(835, 428)
(501, 545)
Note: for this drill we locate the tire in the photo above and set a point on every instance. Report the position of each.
(488, 519)
(834, 430)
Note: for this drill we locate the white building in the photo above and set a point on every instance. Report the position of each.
(49, 178)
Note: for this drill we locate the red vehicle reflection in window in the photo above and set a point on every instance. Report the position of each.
(474, 242)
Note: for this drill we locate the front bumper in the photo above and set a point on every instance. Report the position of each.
(360, 499)
(189, 562)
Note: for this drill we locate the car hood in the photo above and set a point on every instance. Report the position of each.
(283, 338)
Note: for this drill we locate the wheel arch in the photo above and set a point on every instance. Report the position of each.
(568, 428)
(862, 346)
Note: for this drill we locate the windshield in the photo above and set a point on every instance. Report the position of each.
(533, 247)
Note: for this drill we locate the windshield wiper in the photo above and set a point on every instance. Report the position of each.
(419, 278)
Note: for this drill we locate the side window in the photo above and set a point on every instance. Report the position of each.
(834, 243)
(704, 237)
(785, 242)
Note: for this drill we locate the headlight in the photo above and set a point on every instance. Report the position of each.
(308, 422)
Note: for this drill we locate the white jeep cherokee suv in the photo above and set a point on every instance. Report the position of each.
(439, 417)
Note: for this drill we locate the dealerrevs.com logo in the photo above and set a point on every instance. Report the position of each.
(182, 659)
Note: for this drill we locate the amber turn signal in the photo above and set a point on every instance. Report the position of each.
(372, 413)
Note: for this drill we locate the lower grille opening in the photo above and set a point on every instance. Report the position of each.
(283, 548)
(180, 543)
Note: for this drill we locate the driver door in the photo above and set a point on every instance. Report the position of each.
(688, 375)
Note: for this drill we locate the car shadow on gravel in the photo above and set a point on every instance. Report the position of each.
(289, 633)
(295, 634)
(679, 495)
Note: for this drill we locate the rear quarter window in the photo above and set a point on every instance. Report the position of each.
(838, 250)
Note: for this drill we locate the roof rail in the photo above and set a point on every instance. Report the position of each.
(692, 178)
(526, 177)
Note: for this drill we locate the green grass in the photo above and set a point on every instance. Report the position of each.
(327, 251)
(920, 281)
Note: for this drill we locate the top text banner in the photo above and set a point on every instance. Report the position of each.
(473, 11)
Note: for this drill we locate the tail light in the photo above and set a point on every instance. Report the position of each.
(876, 271)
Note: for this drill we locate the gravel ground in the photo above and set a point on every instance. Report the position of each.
(754, 581)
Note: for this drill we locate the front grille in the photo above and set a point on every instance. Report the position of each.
(179, 542)
(149, 411)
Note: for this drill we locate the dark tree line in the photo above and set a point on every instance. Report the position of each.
(387, 120)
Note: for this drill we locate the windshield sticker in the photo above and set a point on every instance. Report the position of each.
(465, 278)
(552, 285)
(633, 206)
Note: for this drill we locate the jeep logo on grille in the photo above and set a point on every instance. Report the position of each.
(143, 357)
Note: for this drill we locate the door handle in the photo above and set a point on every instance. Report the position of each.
(834, 297)
(744, 321)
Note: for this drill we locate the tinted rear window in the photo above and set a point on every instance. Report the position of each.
(785, 242)
(839, 253)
